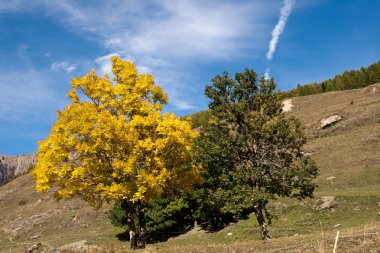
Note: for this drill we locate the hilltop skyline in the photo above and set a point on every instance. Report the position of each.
(183, 44)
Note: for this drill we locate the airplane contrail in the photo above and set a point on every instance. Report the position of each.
(279, 28)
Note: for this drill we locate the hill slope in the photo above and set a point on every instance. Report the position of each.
(347, 152)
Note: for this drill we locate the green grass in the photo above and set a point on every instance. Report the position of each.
(304, 220)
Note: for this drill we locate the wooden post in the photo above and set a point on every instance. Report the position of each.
(336, 241)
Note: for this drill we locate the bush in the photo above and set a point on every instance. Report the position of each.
(165, 217)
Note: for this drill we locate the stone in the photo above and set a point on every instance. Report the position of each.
(326, 122)
(229, 234)
(79, 245)
(32, 249)
(336, 226)
(374, 91)
(287, 105)
(331, 178)
(327, 202)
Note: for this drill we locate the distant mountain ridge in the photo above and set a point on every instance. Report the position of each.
(13, 166)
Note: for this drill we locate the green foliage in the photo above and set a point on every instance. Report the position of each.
(164, 217)
(117, 215)
(250, 152)
(200, 119)
(351, 79)
(169, 216)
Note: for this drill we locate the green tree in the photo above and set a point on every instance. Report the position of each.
(251, 153)
(165, 217)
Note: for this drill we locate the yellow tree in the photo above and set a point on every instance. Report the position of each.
(112, 143)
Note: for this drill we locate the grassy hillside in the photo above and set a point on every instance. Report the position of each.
(350, 149)
(348, 154)
(27, 217)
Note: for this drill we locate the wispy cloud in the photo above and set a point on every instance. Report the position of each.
(65, 66)
(165, 37)
(10, 5)
(183, 105)
(279, 28)
(168, 28)
(29, 96)
(266, 73)
(161, 38)
(104, 63)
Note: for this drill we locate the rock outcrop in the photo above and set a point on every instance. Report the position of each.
(287, 105)
(12, 166)
(374, 90)
(326, 122)
(328, 202)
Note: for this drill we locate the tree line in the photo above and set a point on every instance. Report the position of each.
(351, 79)
(112, 143)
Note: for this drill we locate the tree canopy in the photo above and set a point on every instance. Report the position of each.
(251, 152)
(112, 143)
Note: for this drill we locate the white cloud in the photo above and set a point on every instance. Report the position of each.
(182, 104)
(169, 29)
(188, 29)
(71, 68)
(266, 73)
(167, 37)
(65, 66)
(10, 5)
(279, 28)
(26, 95)
(143, 69)
(104, 63)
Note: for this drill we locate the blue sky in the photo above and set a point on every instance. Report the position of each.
(184, 43)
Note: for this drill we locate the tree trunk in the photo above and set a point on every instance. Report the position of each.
(142, 222)
(261, 221)
(129, 210)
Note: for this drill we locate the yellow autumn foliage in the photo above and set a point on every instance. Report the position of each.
(113, 143)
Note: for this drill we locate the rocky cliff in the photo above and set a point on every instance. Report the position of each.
(12, 166)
